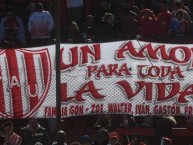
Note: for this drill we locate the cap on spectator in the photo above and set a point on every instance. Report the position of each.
(113, 135)
(85, 138)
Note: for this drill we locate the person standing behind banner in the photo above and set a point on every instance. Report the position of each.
(164, 128)
(60, 138)
(179, 6)
(114, 138)
(33, 133)
(10, 137)
(163, 22)
(40, 26)
(147, 21)
(101, 137)
(12, 29)
(108, 28)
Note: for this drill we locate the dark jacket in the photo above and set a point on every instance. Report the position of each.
(31, 137)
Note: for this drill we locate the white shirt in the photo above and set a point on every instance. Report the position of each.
(40, 24)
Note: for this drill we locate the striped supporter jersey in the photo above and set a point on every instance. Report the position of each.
(14, 139)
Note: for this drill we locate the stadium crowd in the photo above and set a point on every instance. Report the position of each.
(31, 23)
(96, 130)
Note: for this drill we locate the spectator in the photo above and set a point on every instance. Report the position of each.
(33, 133)
(113, 138)
(179, 26)
(85, 140)
(178, 6)
(129, 26)
(108, 29)
(74, 35)
(163, 22)
(74, 11)
(104, 120)
(89, 28)
(164, 128)
(12, 29)
(128, 121)
(146, 21)
(89, 22)
(60, 138)
(10, 137)
(136, 139)
(40, 26)
(101, 137)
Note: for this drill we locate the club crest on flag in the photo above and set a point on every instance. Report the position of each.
(25, 77)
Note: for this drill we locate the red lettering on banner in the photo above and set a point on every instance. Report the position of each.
(76, 110)
(88, 88)
(75, 55)
(160, 52)
(50, 111)
(187, 92)
(86, 51)
(159, 72)
(128, 89)
(97, 108)
(120, 108)
(166, 110)
(162, 90)
(142, 109)
(64, 97)
(109, 70)
(188, 110)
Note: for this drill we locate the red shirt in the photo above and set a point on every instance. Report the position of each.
(163, 22)
(11, 23)
(147, 26)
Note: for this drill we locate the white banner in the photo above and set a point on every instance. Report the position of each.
(131, 77)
